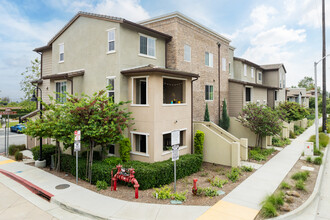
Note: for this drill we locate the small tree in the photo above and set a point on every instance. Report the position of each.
(293, 111)
(125, 149)
(199, 142)
(31, 73)
(224, 121)
(206, 114)
(261, 120)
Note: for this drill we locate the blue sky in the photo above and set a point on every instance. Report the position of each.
(263, 31)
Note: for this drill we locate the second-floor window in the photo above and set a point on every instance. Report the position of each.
(208, 59)
(208, 92)
(229, 68)
(224, 64)
(245, 71)
(140, 90)
(252, 72)
(61, 52)
(187, 53)
(111, 40)
(147, 46)
(61, 91)
(111, 91)
(260, 76)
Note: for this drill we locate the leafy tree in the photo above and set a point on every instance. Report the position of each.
(224, 120)
(261, 120)
(306, 82)
(293, 111)
(31, 73)
(206, 113)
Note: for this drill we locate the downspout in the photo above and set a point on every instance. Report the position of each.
(219, 104)
(192, 117)
(71, 81)
(40, 75)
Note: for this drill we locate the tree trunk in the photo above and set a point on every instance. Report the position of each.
(92, 143)
(87, 163)
(58, 165)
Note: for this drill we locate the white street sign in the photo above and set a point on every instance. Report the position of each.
(175, 152)
(309, 149)
(77, 146)
(77, 135)
(175, 137)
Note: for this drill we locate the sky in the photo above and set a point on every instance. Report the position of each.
(262, 31)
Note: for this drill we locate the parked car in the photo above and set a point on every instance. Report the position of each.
(17, 128)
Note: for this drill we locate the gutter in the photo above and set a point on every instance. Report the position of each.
(219, 75)
(192, 117)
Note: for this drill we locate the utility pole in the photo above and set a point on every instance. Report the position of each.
(324, 92)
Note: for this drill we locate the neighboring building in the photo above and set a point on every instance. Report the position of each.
(93, 51)
(260, 84)
(196, 48)
(298, 95)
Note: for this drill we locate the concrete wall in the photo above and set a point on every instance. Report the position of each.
(239, 131)
(301, 123)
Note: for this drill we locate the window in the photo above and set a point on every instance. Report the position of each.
(140, 91)
(247, 94)
(187, 53)
(224, 64)
(229, 68)
(61, 52)
(252, 72)
(275, 94)
(111, 92)
(260, 76)
(111, 40)
(208, 93)
(140, 143)
(61, 91)
(245, 73)
(111, 149)
(173, 91)
(280, 80)
(208, 59)
(147, 46)
(167, 140)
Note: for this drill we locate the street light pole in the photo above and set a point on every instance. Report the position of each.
(316, 104)
(34, 99)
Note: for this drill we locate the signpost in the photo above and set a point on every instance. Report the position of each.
(175, 142)
(7, 112)
(77, 148)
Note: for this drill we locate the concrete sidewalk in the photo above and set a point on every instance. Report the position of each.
(94, 205)
(250, 193)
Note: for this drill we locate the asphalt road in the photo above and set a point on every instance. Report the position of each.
(14, 138)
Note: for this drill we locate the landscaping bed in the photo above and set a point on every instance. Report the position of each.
(207, 172)
(261, 156)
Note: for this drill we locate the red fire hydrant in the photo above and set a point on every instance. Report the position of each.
(194, 189)
(126, 177)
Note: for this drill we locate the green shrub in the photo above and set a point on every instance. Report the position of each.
(292, 135)
(113, 161)
(13, 148)
(209, 192)
(298, 130)
(218, 182)
(101, 185)
(318, 161)
(303, 175)
(317, 152)
(234, 174)
(300, 185)
(323, 140)
(278, 142)
(179, 196)
(96, 155)
(285, 185)
(309, 159)
(18, 156)
(199, 142)
(47, 151)
(293, 111)
(268, 210)
(149, 175)
(271, 204)
(206, 113)
(246, 169)
(125, 150)
(224, 121)
(164, 192)
(260, 154)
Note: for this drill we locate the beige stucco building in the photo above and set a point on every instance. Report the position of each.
(196, 48)
(93, 51)
(260, 84)
(298, 95)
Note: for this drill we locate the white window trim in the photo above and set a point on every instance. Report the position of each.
(111, 51)
(114, 153)
(59, 54)
(210, 62)
(252, 72)
(251, 87)
(224, 64)
(167, 132)
(229, 68)
(180, 147)
(170, 151)
(113, 89)
(59, 81)
(209, 100)
(261, 76)
(189, 61)
(147, 100)
(177, 78)
(146, 55)
(244, 69)
(132, 141)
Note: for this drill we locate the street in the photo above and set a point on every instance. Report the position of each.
(14, 138)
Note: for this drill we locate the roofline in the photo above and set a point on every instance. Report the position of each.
(100, 17)
(281, 64)
(65, 75)
(261, 66)
(248, 62)
(153, 70)
(252, 84)
(185, 18)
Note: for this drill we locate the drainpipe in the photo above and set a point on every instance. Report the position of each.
(219, 106)
(192, 117)
(40, 75)
(71, 81)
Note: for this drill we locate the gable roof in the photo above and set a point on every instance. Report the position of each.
(105, 18)
(187, 19)
(273, 66)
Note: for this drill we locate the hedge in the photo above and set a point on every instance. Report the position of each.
(149, 175)
(47, 151)
(323, 139)
(13, 148)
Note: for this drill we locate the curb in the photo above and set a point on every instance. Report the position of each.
(312, 196)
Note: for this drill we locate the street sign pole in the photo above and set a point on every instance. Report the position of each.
(76, 167)
(76, 149)
(175, 142)
(175, 176)
(5, 135)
